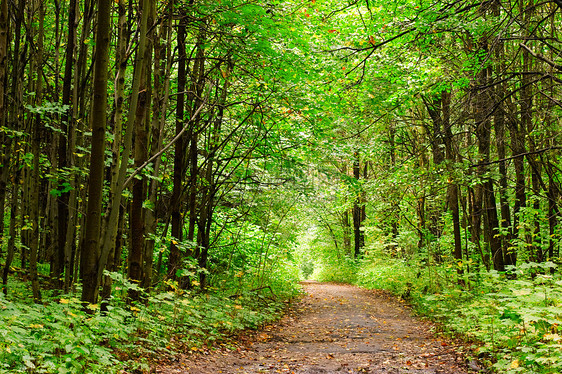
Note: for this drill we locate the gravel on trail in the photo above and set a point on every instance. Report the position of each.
(335, 329)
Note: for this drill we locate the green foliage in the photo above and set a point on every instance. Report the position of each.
(339, 271)
(249, 256)
(319, 260)
(63, 336)
(60, 337)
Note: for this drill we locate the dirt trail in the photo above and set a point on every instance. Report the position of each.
(338, 329)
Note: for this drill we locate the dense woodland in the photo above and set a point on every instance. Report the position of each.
(170, 169)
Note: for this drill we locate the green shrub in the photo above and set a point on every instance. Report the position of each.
(342, 271)
(59, 336)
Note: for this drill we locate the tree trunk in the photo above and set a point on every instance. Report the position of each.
(526, 97)
(499, 118)
(553, 213)
(89, 262)
(210, 187)
(485, 189)
(15, 121)
(63, 149)
(111, 217)
(346, 231)
(174, 261)
(358, 212)
(162, 67)
(14, 212)
(136, 216)
(77, 198)
(5, 141)
(195, 100)
(452, 187)
(118, 181)
(35, 150)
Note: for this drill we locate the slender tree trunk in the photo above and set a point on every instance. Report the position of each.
(452, 187)
(89, 264)
(75, 225)
(345, 221)
(346, 231)
(553, 214)
(491, 222)
(162, 64)
(5, 141)
(122, 58)
(195, 100)
(526, 96)
(499, 118)
(174, 260)
(486, 188)
(35, 150)
(358, 212)
(118, 183)
(63, 151)
(203, 232)
(136, 217)
(14, 212)
(15, 121)
(210, 188)
(517, 150)
(499, 125)
(420, 203)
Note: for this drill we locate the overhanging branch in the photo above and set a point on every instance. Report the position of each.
(516, 156)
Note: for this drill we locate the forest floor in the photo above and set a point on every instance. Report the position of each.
(335, 329)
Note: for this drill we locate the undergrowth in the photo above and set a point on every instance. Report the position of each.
(513, 319)
(343, 271)
(58, 336)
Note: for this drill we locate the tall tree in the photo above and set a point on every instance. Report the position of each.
(89, 261)
(140, 151)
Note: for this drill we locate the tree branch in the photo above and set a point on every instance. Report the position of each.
(158, 154)
(516, 156)
(540, 56)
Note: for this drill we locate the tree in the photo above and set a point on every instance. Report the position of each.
(89, 260)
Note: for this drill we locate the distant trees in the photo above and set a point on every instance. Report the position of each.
(462, 147)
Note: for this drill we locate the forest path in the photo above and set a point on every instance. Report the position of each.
(337, 329)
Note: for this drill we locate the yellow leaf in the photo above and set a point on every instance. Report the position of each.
(514, 364)
(64, 301)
